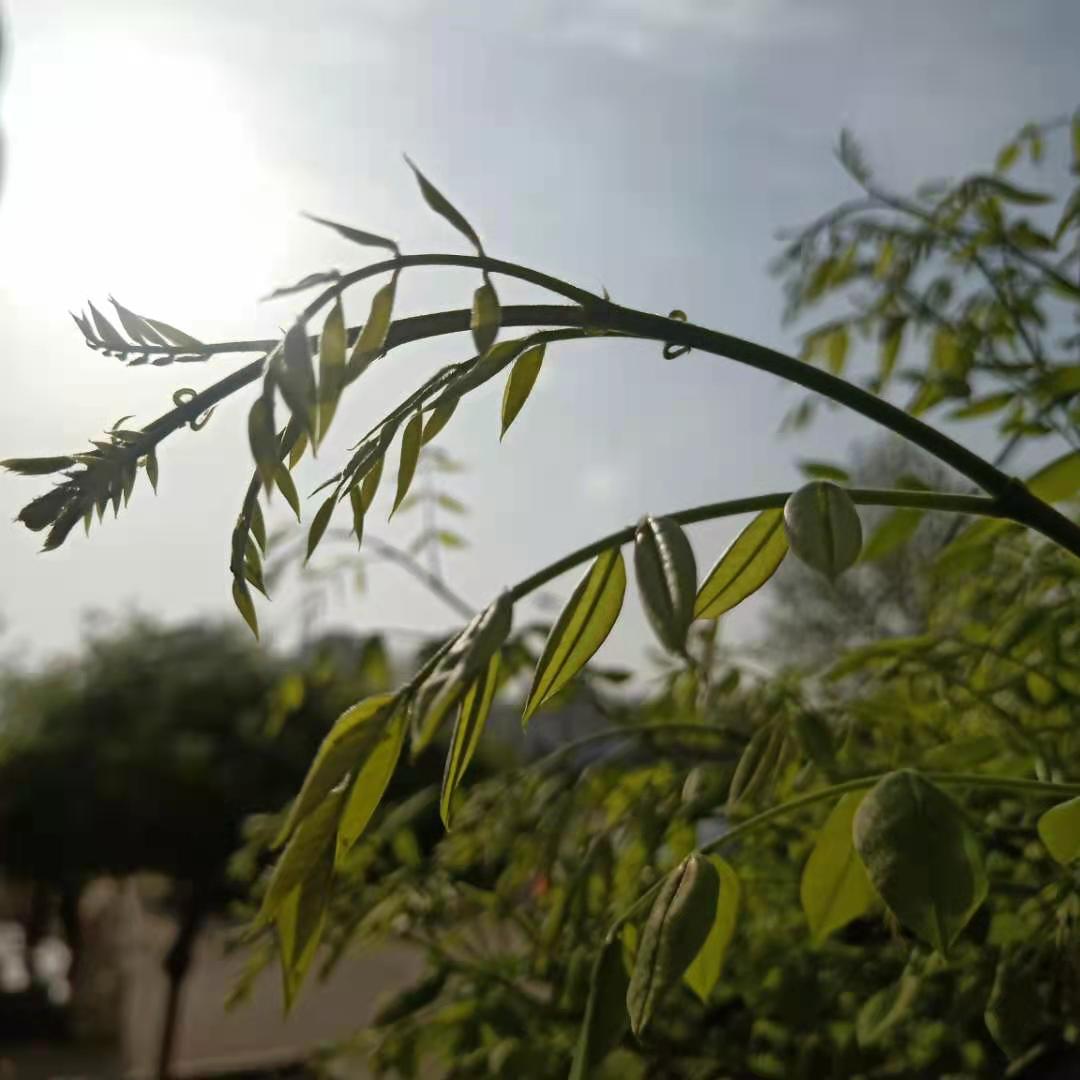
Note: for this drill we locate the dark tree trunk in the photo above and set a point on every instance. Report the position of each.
(177, 964)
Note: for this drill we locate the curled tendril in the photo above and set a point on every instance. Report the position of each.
(201, 421)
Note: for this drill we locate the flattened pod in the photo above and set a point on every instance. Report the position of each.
(667, 579)
(823, 527)
(678, 924)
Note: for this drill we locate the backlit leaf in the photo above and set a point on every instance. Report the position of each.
(706, 968)
(357, 236)
(1058, 481)
(372, 777)
(441, 205)
(472, 715)
(1059, 830)
(824, 470)
(486, 317)
(283, 479)
(354, 734)
(245, 605)
(520, 383)
(895, 528)
(679, 922)
(263, 438)
(295, 377)
(372, 337)
(331, 365)
(410, 454)
(581, 628)
(749, 561)
(834, 888)
(438, 418)
(823, 527)
(667, 579)
(921, 856)
(318, 525)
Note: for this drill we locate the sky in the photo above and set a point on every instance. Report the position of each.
(161, 151)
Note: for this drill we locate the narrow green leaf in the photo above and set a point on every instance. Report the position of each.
(245, 605)
(891, 342)
(135, 326)
(357, 236)
(302, 855)
(438, 418)
(681, 918)
(372, 778)
(355, 733)
(520, 383)
(894, 529)
(318, 525)
(295, 377)
(983, 406)
(258, 526)
(170, 333)
(263, 439)
(284, 481)
(1058, 481)
(823, 527)
(824, 470)
(309, 281)
(472, 716)
(410, 454)
(836, 349)
(152, 469)
(296, 453)
(751, 559)
(1059, 830)
(441, 205)
(369, 486)
(606, 1018)
(486, 317)
(834, 888)
(40, 466)
(331, 365)
(299, 924)
(373, 333)
(581, 628)
(1007, 157)
(761, 761)
(105, 329)
(667, 579)
(921, 856)
(706, 968)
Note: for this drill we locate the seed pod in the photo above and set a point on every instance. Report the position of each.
(667, 579)
(678, 924)
(823, 527)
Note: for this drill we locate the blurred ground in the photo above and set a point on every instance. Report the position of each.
(212, 1041)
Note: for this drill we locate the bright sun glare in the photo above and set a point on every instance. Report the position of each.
(141, 177)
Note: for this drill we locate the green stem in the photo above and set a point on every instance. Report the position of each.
(923, 500)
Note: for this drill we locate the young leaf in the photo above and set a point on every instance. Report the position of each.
(137, 328)
(1058, 481)
(331, 365)
(834, 888)
(299, 925)
(410, 454)
(760, 763)
(679, 923)
(823, 527)
(921, 856)
(606, 1018)
(438, 418)
(441, 205)
(894, 529)
(472, 716)
(283, 479)
(40, 466)
(302, 855)
(667, 579)
(106, 331)
(170, 333)
(244, 604)
(263, 439)
(318, 525)
(1059, 830)
(751, 559)
(295, 377)
(520, 383)
(581, 628)
(823, 470)
(152, 469)
(486, 317)
(370, 783)
(706, 968)
(373, 333)
(355, 733)
(357, 236)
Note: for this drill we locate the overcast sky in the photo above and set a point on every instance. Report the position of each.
(160, 150)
